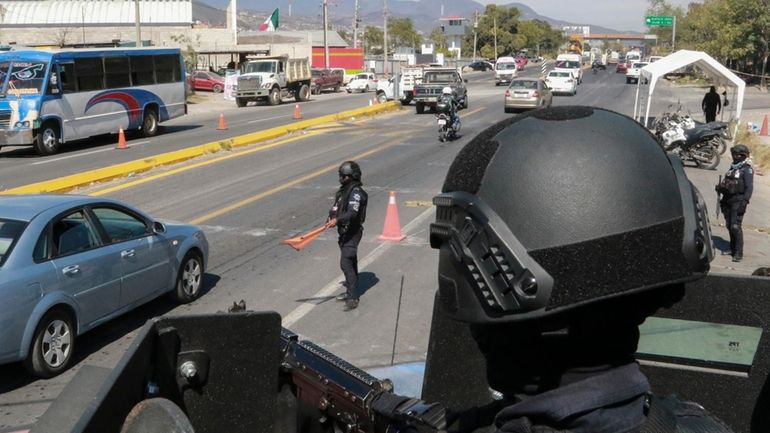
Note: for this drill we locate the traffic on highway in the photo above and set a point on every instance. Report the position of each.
(170, 191)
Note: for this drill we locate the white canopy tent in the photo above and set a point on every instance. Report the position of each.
(718, 73)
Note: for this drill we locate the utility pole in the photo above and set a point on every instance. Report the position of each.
(83, 18)
(475, 31)
(494, 18)
(326, 41)
(673, 37)
(234, 18)
(385, 37)
(355, 25)
(138, 25)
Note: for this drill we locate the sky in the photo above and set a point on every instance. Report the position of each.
(615, 14)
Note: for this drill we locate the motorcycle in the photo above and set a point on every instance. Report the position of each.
(447, 130)
(666, 121)
(696, 144)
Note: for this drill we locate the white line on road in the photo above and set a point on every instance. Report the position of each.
(267, 118)
(334, 285)
(85, 153)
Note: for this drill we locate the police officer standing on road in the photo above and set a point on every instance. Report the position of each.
(711, 104)
(736, 188)
(554, 275)
(348, 214)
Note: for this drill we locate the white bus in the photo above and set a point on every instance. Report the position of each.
(49, 97)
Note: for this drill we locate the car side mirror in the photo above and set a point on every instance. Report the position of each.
(158, 228)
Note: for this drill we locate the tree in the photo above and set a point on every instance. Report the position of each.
(401, 33)
(372, 40)
(438, 38)
(61, 35)
(664, 34)
(502, 20)
(346, 36)
(188, 50)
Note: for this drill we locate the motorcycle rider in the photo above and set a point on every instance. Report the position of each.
(553, 288)
(448, 98)
(736, 189)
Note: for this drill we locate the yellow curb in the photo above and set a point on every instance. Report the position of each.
(67, 183)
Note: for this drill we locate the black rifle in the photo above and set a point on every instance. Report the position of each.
(719, 195)
(348, 398)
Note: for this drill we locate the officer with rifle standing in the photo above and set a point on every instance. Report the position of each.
(736, 188)
(348, 214)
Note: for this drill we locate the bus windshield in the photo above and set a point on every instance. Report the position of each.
(4, 66)
(25, 78)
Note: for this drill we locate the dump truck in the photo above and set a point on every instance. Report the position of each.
(273, 78)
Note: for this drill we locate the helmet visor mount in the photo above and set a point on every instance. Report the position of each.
(507, 281)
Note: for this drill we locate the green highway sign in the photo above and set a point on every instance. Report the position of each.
(660, 21)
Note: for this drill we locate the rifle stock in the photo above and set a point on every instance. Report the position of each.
(349, 398)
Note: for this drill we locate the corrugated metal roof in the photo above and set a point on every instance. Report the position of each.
(94, 12)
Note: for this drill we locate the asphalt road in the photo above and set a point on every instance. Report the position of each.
(249, 202)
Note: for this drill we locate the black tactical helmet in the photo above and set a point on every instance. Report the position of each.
(740, 149)
(350, 168)
(563, 207)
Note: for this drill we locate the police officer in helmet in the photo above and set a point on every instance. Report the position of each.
(554, 275)
(736, 188)
(348, 214)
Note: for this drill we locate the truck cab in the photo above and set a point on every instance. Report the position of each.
(272, 79)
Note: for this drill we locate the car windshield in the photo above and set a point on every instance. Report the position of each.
(567, 64)
(559, 74)
(10, 230)
(252, 67)
(362, 77)
(524, 84)
(25, 78)
(316, 73)
(505, 66)
(639, 65)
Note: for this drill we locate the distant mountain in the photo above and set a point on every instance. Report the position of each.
(424, 13)
(208, 14)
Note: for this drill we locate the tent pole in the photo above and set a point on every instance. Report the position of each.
(636, 100)
(647, 113)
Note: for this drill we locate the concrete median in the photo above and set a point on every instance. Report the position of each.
(67, 183)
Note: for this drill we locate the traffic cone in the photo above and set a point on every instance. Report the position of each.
(121, 139)
(391, 230)
(222, 126)
(763, 130)
(300, 242)
(297, 112)
(370, 102)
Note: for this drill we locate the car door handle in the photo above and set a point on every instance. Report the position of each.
(127, 253)
(71, 270)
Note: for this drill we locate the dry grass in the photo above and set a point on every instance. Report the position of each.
(760, 153)
(195, 99)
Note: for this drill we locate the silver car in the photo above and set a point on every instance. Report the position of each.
(69, 263)
(524, 93)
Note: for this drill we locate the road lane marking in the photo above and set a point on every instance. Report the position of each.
(333, 285)
(61, 158)
(260, 196)
(143, 180)
(268, 118)
(470, 113)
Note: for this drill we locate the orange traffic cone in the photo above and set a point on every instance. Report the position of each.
(222, 125)
(300, 242)
(121, 139)
(297, 112)
(391, 230)
(763, 130)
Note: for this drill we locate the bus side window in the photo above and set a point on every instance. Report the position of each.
(67, 78)
(90, 73)
(53, 82)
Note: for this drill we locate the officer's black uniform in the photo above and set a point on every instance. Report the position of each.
(349, 211)
(553, 279)
(711, 104)
(736, 189)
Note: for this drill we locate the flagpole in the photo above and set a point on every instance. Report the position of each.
(326, 41)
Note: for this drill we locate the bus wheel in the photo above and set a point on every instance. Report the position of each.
(150, 123)
(47, 140)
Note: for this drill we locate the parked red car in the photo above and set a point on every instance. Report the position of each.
(621, 68)
(206, 80)
(325, 79)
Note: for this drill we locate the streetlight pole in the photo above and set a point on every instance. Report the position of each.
(475, 32)
(326, 41)
(673, 36)
(355, 26)
(138, 25)
(494, 18)
(385, 37)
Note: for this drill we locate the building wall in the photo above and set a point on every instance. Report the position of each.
(352, 59)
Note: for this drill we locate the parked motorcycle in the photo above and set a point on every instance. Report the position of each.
(447, 130)
(696, 144)
(667, 119)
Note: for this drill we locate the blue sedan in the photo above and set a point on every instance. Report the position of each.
(69, 263)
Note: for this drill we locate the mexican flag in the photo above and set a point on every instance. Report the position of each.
(271, 23)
